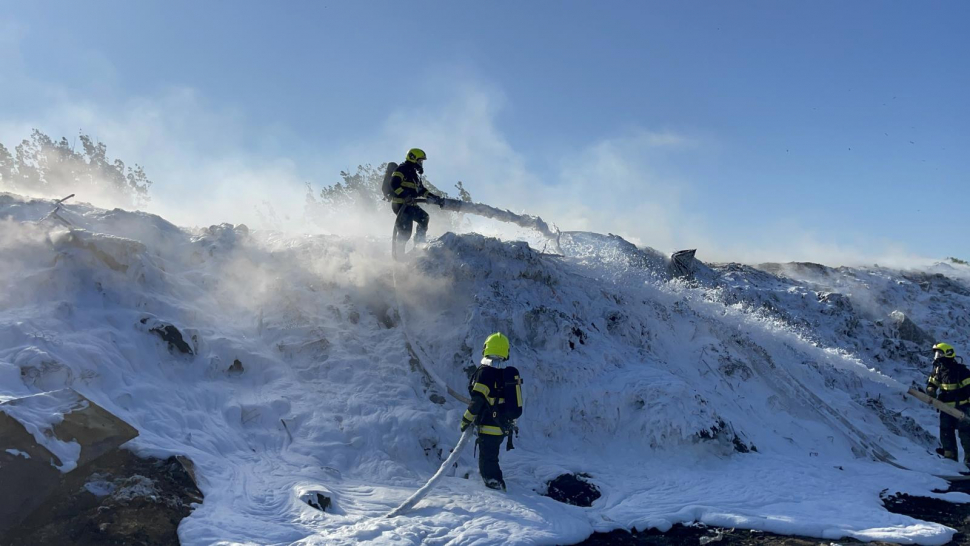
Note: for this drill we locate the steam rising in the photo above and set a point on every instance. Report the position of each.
(210, 167)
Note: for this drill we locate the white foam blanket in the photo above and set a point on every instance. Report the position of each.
(647, 387)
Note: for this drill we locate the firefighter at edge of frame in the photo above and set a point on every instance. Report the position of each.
(950, 383)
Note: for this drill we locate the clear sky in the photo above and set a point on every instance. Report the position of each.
(825, 130)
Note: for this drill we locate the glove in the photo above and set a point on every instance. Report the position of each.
(464, 424)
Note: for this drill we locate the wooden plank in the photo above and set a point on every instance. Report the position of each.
(923, 397)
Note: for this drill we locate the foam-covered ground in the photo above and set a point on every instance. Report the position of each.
(763, 398)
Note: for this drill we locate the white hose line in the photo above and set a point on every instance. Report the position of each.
(421, 493)
(419, 353)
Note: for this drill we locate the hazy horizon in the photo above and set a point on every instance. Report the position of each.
(752, 131)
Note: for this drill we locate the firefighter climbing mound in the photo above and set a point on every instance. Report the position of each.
(496, 393)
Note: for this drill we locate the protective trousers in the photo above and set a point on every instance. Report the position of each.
(488, 449)
(948, 432)
(407, 215)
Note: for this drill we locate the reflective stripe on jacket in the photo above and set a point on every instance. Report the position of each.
(406, 183)
(951, 380)
(481, 410)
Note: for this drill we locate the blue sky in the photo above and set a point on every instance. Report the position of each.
(829, 131)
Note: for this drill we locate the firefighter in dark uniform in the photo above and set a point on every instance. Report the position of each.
(484, 390)
(950, 384)
(406, 186)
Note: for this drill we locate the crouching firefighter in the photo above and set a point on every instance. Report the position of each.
(402, 186)
(950, 384)
(496, 402)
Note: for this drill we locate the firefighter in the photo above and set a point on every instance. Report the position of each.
(950, 384)
(484, 388)
(406, 186)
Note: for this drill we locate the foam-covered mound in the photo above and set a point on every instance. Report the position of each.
(680, 401)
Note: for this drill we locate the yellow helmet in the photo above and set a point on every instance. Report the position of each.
(496, 345)
(946, 349)
(416, 154)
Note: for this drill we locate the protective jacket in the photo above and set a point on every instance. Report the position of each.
(950, 382)
(484, 388)
(406, 183)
